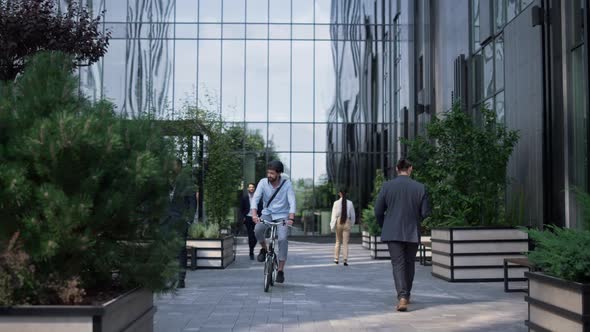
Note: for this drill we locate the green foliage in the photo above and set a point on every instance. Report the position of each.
(197, 231)
(204, 231)
(463, 166)
(82, 192)
(562, 253)
(222, 175)
(368, 214)
(211, 232)
(30, 26)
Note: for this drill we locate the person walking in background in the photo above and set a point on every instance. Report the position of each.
(181, 211)
(343, 218)
(247, 217)
(400, 207)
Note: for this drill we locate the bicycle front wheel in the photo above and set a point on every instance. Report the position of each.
(268, 270)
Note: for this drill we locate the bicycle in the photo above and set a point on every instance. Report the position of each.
(271, 264)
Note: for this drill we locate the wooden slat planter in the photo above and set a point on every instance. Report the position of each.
(476, 254)
(366, 240)
(379, 250)
(557, 305)
(213, 253)
(130, 312)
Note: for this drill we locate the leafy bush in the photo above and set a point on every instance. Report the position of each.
(211, 232)
(563, 253)
(463, 166)
(29, 26)
(204, 231)
(82, 193)
(368, 214)
(197, 231)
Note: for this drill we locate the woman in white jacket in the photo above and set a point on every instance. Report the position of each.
(343, 218)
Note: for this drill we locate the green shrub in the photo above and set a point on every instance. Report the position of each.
(204, 231)
(197, 231)
(463, 165)
(212, 231)
(82, 193)
(563, 253)
(368, 214)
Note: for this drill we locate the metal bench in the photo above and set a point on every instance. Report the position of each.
(426, 261)
(521, 261)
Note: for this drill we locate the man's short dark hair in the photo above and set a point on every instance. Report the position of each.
(403, 164)
(276, 166)
(251, 184)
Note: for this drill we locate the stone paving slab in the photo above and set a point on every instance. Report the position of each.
(321, 296)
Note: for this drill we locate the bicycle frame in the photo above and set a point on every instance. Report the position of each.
(271, 263)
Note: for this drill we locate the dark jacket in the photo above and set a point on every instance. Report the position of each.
(245, 206)
(401, 206)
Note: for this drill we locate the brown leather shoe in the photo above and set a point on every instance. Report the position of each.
(402, 305)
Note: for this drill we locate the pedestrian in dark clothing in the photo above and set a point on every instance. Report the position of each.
(247, 217)
(181, 211)
(401, 206)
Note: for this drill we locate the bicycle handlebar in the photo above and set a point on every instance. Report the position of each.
(275, 223)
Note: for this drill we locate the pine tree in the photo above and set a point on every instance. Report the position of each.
(82, 193)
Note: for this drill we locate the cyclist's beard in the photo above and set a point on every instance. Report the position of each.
(272, 179)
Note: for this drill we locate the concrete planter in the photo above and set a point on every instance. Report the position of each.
(366, 240)
(130, 312)
(476, 254)
(556, 304)
(211, 253)
(379, 250)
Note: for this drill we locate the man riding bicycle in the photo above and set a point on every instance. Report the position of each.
(279, 204)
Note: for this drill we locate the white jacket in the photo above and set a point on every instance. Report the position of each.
(337, 208)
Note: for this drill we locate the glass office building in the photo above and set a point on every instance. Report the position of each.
(316, 79)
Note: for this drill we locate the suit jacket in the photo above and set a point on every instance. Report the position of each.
(337, 209)
(245, 206)
(401, 206)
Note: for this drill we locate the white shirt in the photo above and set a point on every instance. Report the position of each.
(250, 196)
(282, 205)
(337, 209)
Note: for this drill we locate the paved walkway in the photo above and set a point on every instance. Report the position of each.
(321, 296)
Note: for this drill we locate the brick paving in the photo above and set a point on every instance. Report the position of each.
(321, 296)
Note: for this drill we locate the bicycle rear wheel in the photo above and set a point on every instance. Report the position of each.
(268, 271)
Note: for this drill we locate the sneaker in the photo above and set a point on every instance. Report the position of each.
(345, 263)
(251, 256)
(262, 255)
(402, 305)
(280, 277)
(335, 262)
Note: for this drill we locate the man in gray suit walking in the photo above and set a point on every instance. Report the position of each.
(401, 206)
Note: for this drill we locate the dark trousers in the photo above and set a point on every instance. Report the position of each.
(251, 237)
(182, 255)
(403, 259)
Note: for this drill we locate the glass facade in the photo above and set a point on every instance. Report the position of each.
(577, 102)
(312, 78)
(487, 56)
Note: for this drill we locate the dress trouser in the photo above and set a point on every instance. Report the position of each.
(182, 255)
(403, 260)
(342, 237)
(251, 236)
